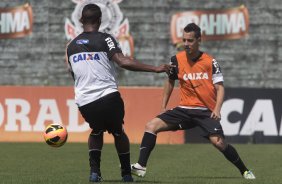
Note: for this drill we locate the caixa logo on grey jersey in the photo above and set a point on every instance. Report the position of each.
(113, 23)
(84, 56)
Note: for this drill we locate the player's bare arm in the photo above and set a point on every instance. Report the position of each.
(67, 62)
(133, 65)
(168, 88)
(219, 100)
(66, 57)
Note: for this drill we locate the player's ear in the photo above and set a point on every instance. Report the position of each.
(199, 40)
(100, 20)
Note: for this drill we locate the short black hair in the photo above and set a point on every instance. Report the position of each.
(91, 14)
(192, 27)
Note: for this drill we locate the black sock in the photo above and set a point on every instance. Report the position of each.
(124, 159)
(147, 145)
(95, 144)
(231, 154)
(94, 161)
(122, 147)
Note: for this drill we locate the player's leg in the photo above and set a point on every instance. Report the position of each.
(148, 143)
(149, 138)
(123, 150)
(213, 130)
(95, 145)
(170, 120)
(115, 127)
(231, 155)
(228, 151)
(94, 113)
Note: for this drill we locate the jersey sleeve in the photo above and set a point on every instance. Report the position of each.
(217, 75)
(173, 73)
(113, 45)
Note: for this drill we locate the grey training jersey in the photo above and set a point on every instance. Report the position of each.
(89, 56)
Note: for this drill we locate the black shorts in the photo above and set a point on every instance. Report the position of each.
(105, 114)
(190, 118)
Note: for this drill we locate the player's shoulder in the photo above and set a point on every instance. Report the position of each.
(74, 40)
(180, 54)
(71, 42)
(107, 35)
(110, 37)
(208, 57)
(173, 60)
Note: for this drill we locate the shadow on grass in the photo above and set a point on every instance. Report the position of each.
(209, 177)
(181, 178)
(135, 181)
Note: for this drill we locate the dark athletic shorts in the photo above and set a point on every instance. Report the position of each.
(105, 114)
(190, 118)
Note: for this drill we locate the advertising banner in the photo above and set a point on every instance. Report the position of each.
(249, 116)
(218, 24)
(26, 111)
(16, 22)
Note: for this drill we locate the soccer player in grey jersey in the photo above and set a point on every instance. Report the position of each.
(90, 59)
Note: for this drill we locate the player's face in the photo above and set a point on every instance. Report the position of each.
(191, 43)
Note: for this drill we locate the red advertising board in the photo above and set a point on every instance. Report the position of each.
(26, 111)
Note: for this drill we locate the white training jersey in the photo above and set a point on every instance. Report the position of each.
(94, 73)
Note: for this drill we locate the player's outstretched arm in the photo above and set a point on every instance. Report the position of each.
(133, 65)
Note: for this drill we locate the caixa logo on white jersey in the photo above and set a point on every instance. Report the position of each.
(113, 22)
(84, 56)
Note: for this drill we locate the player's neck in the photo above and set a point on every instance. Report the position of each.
(193, 56)
(90, 27)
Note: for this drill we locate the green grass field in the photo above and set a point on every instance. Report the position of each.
(28, 163)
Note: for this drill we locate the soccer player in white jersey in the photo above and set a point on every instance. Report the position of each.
(90, 58)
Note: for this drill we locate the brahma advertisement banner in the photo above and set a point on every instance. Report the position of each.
(220, 24)
(248, 115)
(16, 22)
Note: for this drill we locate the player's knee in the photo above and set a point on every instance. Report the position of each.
(94, 133)
(151, 127)
(218, 142)
(220, 145)
(119, 134)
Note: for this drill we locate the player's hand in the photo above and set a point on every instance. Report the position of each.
(216, 115)
(164, 68)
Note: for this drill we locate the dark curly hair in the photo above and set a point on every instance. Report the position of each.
(91, 14)
(192, 27)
